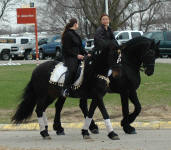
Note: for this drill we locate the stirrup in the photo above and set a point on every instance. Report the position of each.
(65, 93)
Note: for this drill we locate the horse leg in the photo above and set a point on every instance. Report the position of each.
(84, 108)
(57, 120)
(88, 119)
(134, 99)
(125, 111)
(111, 134)
(47, 103)
(42, 120)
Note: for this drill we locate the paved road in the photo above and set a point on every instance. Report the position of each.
(163, 60)
(144, 140)
(19, 62)
(13, 62)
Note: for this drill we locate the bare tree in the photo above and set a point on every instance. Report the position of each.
(3, 6)
(163, 19)
(119, 10)
(123, 13)
(144, 19)
(53, 14)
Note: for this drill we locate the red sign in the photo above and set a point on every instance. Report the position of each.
(26, 15)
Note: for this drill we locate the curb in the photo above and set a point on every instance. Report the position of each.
(79, 125)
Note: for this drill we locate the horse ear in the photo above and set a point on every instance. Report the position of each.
(153, 43)
(157, 52)
(158, 43)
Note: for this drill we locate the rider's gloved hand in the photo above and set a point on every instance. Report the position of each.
(80, 57)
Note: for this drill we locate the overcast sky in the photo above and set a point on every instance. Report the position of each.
(11, 14)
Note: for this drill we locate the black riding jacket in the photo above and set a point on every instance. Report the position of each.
(102, 37)
(72, 45)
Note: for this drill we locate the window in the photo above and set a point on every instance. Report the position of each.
(168, 35)
(24, 41)
(158, 36)
(89, 43)
(43, 41)
(115, 33)
(6, 40)
(123, 36)
(148, 34)
(135, 34)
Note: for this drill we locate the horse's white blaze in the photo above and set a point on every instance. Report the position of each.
(45, 119)
(108, 125)
(87, 123)
(41, 124)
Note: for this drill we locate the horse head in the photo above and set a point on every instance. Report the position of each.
(148, 58)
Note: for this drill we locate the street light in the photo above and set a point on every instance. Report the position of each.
(31, 3)
(106, 7)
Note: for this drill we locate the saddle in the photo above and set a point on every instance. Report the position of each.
(58, 75)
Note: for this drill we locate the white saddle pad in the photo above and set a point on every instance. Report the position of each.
(58, 75)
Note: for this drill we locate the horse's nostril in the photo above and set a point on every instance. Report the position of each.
(148, 72)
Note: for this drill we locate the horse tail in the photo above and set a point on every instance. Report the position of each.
(26, 107)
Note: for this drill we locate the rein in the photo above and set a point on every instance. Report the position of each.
(142, 66)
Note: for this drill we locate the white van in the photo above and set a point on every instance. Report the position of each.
(124, 36)
(121, 37)
(18, 49)
(5, 47)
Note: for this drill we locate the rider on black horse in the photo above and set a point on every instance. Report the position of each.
(73, 53)
(104, 36)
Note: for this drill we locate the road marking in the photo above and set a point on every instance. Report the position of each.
(35, 126)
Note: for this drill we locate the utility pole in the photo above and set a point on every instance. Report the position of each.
(107, 7)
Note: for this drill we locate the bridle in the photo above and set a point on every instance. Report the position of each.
(148, 64)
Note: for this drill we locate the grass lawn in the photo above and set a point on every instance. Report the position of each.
(155, 89)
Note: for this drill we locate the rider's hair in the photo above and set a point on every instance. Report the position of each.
(103, 16)
(71, 23)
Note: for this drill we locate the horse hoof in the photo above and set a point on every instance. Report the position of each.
(94, 128)
(129, 129)
(133, 132)
(94, 131)
(85, 134)
(113, 136)
(60, 132)
(45, 135)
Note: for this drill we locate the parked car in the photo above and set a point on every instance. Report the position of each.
(124, 36)
(51, 48)
(165, 41)
(31, 45)
(18, 49)
(121, 37)
(5, 47)
(89, 44)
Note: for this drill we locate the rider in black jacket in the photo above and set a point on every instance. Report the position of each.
(104, 34)
(73, 53)
(104, 37)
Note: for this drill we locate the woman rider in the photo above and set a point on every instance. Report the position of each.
(104, 37)
(103, 34)
(73, 53)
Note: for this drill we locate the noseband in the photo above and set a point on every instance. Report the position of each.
(142, 58)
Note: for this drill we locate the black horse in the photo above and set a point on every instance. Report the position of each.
(137, 53)
(40, 93)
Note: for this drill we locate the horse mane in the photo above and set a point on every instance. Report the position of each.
(135, 42)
